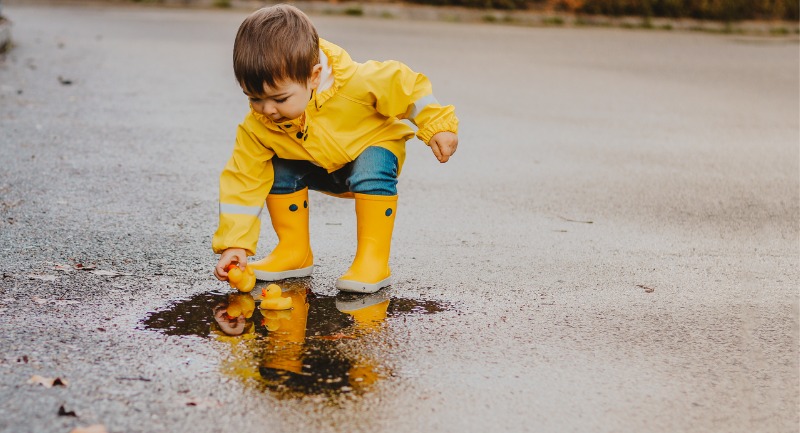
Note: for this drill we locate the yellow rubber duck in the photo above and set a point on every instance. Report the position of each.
(272, 300)
(240, 304)
(243, 281)
(272, 319)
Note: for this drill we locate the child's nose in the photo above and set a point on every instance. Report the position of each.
(268, 109)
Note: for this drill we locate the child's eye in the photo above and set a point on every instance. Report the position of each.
(282, 100)
(255, 100)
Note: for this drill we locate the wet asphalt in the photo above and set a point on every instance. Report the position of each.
(613, 248)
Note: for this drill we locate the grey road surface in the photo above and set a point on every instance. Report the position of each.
(613, 248)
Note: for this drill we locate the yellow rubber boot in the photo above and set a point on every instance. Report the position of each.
(292, 257)
(370, 269)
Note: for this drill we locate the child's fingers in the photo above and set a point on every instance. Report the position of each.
(436, 151)
(220, 273)
(451, 148)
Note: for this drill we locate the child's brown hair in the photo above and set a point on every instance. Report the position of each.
(274, 44)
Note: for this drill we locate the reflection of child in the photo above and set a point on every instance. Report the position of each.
(232, 317)
(229, 325)
(319, 121)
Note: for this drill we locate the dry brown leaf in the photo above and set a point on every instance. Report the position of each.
(47, 382)
(64, 412)
(646, 289)
(96, 428)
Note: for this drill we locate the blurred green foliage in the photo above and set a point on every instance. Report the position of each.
(720, 10)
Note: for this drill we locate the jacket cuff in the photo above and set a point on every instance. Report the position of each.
(432, 129)
(222, 241)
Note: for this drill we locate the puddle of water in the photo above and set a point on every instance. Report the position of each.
(311, 349)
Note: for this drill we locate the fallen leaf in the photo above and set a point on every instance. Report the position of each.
(64, 268)
(47, 382)
(575, 221)
(42, 277)
(96, 428)
(646, 289)
(82, 267)
(143, 379)
(64, 412)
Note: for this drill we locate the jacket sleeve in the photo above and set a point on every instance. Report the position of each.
(400, 92)
(243, 187)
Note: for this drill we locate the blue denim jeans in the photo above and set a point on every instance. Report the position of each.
(373, 172)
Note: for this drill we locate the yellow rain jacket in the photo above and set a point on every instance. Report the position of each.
(362, 108)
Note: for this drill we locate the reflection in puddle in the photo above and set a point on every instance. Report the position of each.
(312, 349)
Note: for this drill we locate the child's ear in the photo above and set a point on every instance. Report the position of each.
(316, 76)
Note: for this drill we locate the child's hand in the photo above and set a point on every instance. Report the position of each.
(231, 255)
(443, 144)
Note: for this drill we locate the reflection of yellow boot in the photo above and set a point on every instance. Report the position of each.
(368, 311)
(285, 342)
(292, 257)
(370, 269)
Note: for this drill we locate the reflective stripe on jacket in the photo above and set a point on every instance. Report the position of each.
(364, 107)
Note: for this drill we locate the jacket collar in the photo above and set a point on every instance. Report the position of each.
(343, 67)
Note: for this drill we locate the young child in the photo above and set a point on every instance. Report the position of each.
(318, 120)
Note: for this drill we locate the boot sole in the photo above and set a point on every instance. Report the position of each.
(275, 276)
(361, 287)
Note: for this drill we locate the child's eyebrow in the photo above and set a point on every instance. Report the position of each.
(277, 96)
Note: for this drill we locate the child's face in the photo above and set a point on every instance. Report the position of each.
(287, 100)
